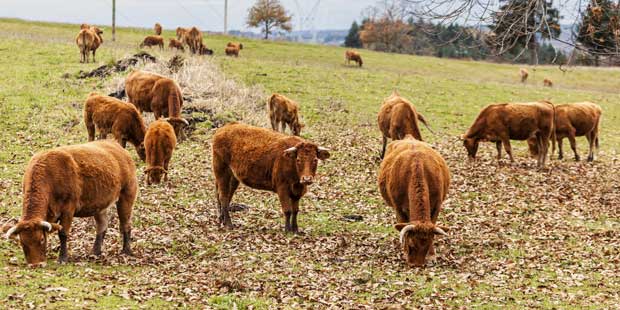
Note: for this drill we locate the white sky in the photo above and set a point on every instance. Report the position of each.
(206, 14)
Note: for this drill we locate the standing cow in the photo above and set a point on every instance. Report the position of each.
(74, 181)
(503, 122)
(88, 40)
(265, 160)
(284, 111)
(414, 181)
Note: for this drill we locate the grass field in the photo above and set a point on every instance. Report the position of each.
(519, 238)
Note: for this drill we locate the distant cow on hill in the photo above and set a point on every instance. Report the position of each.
(181, 33)
(284, 111)
(353, 56)
(157, 29)
(193, 39)
(523, 73)
(398, 118)
(174, 43)
(503, 122)
(547, 83)
(414, 180)
(82, 180)
(88, 40)
(266, 160)
(150, 41)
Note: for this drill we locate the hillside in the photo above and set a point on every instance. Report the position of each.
(520, 237)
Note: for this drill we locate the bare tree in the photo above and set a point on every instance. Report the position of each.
(269, 15)
(385, 27)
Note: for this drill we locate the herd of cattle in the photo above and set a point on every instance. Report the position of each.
(85, 180)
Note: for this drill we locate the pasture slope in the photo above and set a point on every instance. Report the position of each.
(519, 237)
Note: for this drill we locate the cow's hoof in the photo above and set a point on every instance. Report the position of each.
(590, 159)
(127, 252)
(63, 260)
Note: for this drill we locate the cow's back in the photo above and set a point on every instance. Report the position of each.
(139, 86)
(582, 116)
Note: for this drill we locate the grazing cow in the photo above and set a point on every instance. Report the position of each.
(151, 41)
(503, 122)
(121, 119)
(81, 180)
(284, 111)
(398, 118)
(547, 83)
(84, 26)
(159, 142)
(203, 50)
(232, 51)
(181, 33)
(193, 39)
(574, 120)
(157, 29)
(88, 39)
(151, 92)
(524, 74)
(237, 45)
(266, 160)
(174, 43)
(414, 180)
(353, 56)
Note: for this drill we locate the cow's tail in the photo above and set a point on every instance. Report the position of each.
(423, 121)
(272, 102)
(418, 192)
(596, 131)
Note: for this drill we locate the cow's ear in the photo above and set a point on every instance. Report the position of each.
(322, 153)
(400, 226)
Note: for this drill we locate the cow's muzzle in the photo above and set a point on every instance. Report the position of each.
(306, 180)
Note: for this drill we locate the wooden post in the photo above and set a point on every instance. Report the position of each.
(113, 20)
(225, 16)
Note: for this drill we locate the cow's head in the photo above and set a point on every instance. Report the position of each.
(360, 62)
(154, 174)
(533, 147)
(306, 156)
(179, 125)
(297, 126)
(471, 144)
(416, 239)
(33, 239)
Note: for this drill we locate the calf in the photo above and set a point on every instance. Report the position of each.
(353, 56)
(547, 83)
(150, 41)
(503, 122)
(151, 92)
(74, 181)
(157, 29)
(232, 51)
(238, 46)
(284, 111)
(174, 43)
(88, 40)
(414, 180)
(265, 160)
(159, 142)
(398, 118)
(110, 115)
(523, 74)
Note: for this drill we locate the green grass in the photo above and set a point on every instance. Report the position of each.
(42, 109)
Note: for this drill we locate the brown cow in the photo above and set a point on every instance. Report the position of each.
(74, 181)
(150, 41)
(574, 120)
(157, 29)
(232, 51)
(547, 83)
(503, 122)
(193, 39)
(353, 56)
(235, 45)
(523, 74)
(398, 118)
(159, 142)
(266, 160)
(151, 92)
(181, 33)
(203, 50)
(88, 39)
(174, 43)
(284, 111)
(414, 180)
(84, 26)
(121, 119)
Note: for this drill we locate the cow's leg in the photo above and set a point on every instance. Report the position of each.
(94, 56)
(590, 136)
(543, 142)
(124, 207)
(498, 145)
(283, 125)
(295, 210)
(90, 127)
(166, 162)
(101, 221)
(287, 207)
(573, 144)
(508, 149)
(384, 144)
(274, 123)
(65, 221)
(225, 186)
(560, 151)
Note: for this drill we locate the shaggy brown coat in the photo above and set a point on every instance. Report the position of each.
(236, 45)
(232, 51)
(353, 56)
(157, 29)
(74, 181)
(121, 119)
(398, 118)
(159, 143)
(181, 33)
(193, 39)
(414, 180)
(174, 43)
(547, 83)
(574, 120)
(284, 111)
(523, 73)
(88, 40)
(503, 122)
(151, 41)
(151, 92)
(266, 160)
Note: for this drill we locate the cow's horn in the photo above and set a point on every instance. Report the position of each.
(439, 231)
(323, 149)
(185, 121)
(47, 225)
(404, 231)
(292, 149)
(10, 232)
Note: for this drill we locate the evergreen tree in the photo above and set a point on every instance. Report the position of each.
(353, 38)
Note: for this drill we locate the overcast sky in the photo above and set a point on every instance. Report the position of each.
(206, 14)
